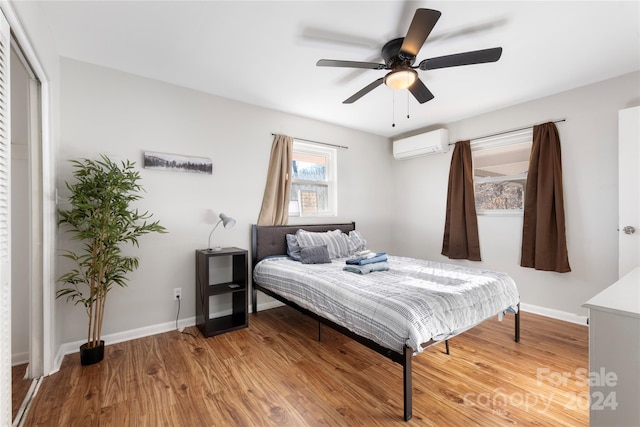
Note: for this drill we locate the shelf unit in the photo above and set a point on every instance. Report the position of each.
(237, 287)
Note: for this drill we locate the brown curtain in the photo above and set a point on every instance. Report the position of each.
(461, 225)
(544, 241)
(275, 202)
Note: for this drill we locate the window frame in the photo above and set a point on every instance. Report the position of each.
(497, 141)
(331, 155)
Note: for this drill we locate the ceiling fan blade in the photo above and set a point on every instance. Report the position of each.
(468, 31)
(362, 92)
(420, 92)
(349, 64)
(465, 58)
(423, 22)
(339, 39)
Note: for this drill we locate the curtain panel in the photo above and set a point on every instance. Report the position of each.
(544, 240)
(275, 202)
(461, 224)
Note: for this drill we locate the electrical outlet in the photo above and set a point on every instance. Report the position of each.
(177, 293)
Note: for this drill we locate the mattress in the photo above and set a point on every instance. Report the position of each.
(413, 303)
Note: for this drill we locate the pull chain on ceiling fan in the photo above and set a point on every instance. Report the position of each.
(393, 108)
(400, 54)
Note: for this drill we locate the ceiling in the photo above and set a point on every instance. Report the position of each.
(264, 52)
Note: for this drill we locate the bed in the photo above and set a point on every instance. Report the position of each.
(422, 303)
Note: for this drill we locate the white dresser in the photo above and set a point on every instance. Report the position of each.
(614, 353)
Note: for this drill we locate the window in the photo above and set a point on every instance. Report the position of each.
(313, 181)
(500, 165)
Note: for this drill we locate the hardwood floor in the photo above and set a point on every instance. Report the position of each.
(275, 373)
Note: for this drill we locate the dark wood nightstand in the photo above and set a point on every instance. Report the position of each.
(237, 287)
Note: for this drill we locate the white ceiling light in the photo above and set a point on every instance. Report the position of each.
(400, 79)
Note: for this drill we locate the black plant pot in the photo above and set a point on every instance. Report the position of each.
(89, 356)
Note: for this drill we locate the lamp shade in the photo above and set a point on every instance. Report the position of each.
(227, 222)
(400, 79)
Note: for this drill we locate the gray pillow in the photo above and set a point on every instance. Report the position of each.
(336, 241)
(293, 249)
(315, 255)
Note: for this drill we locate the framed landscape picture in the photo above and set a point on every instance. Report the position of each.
(175, 162)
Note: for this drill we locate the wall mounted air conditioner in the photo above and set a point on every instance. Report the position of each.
(436, 141)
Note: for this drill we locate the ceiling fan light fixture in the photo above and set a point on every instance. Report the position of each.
(400, 79)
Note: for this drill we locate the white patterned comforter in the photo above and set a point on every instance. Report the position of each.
(414, 302)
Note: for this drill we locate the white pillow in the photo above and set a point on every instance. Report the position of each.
(337, 242)
(356, 242)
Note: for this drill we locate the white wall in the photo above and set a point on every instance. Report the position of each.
(589, 157)
(122, 115)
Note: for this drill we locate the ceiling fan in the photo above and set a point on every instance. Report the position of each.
(400, 54)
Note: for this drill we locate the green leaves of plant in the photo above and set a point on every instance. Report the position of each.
(101, 216)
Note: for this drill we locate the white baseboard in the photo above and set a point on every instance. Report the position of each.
(270, 304)
(74, 347)
(554, 314)
(19, 358)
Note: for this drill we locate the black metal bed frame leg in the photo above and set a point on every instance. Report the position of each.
(517, 322)
(319, 331)
(254, 300)
(446, 343)
(408, 389)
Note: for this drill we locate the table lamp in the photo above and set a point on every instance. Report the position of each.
(227, 222)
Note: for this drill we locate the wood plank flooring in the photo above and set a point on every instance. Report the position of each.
(275, 373)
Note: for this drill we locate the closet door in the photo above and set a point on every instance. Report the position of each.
(5, 226)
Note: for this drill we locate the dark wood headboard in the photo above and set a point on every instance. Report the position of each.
(268, 240)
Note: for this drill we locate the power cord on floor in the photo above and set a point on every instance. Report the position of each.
(181, 330)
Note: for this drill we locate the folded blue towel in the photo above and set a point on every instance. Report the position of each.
(380, 257)
(367, 268)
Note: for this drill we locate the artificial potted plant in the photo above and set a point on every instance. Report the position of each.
(102, 218)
